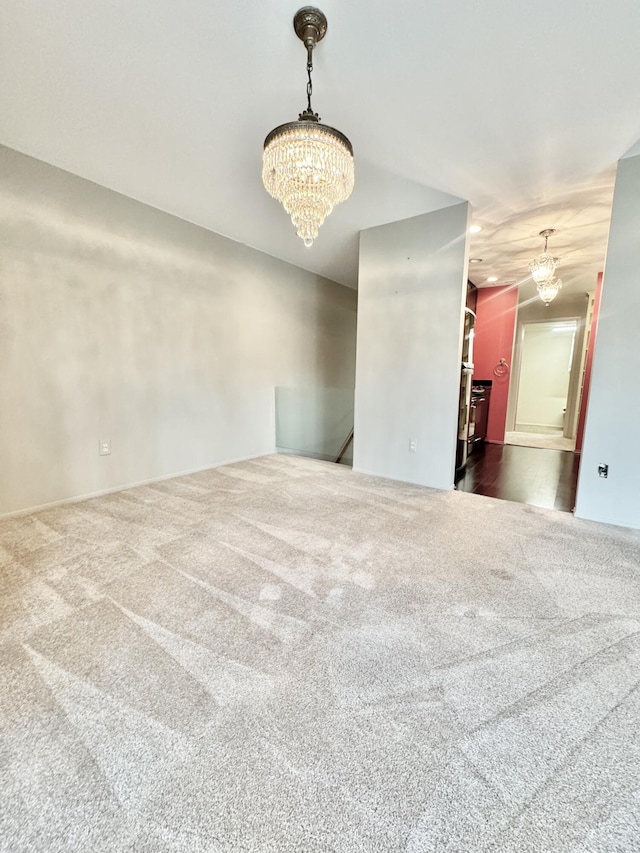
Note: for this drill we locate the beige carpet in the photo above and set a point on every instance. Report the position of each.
(535, 439)
(282, 655)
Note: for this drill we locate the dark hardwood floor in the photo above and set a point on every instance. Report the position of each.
(530, 475)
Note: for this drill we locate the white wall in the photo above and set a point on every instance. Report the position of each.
(411, 295)
(613, 412)
(121, 322)
(547, 350)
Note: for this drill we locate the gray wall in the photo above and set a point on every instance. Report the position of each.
(613, 412)
(412, 290)
(120, 322)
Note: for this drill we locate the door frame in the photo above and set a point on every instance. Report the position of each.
(514, 384)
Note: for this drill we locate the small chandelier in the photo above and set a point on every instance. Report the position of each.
(543, 268)
(548, 290)
(308, 166)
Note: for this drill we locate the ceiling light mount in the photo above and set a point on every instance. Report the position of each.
(310, 25)
(307, 165)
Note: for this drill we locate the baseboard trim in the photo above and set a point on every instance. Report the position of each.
(123, 488)
(544, 429)
(400, 480)
(306, 454)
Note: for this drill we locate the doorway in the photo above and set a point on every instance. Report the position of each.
(543, 400)
(537, 465)
(546, 385)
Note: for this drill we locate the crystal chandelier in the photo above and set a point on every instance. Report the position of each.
(548, 290)
(308, 166)
(543, 268)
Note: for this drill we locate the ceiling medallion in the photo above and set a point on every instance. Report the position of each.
(542, 270)
(308, 166)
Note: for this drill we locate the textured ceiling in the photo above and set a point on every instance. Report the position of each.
(581, 219)
(523, 109)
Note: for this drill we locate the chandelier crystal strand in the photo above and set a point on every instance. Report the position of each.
(542, 269)
(309, 171)
(308, 166)
(549, 290)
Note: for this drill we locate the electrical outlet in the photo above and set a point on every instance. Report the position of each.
(603, 470)
(413, 445)
(105, 447)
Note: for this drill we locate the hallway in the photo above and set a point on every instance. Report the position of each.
(543, 478)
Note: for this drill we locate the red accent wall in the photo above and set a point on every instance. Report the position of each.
(588, 365)
(496, 312)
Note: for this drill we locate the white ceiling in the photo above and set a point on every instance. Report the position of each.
(523, 109)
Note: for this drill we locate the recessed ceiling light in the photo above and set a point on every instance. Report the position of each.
(475, 260)
(475, 229)
(492, 278)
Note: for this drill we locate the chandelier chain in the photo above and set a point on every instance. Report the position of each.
(309, 70)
